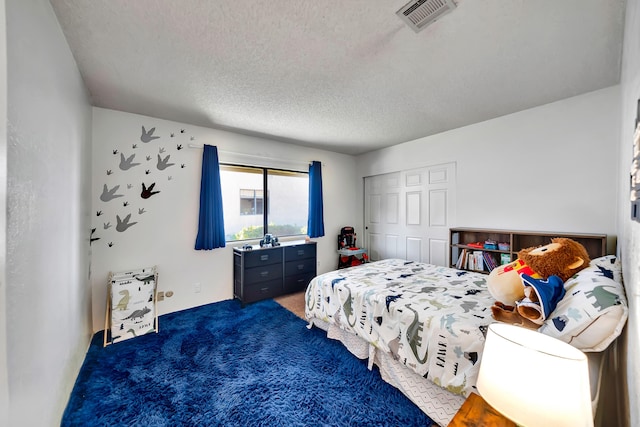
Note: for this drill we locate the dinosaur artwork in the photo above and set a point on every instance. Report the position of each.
(348, 308)
(148, 192)
(603, 298)
(93, 239)
(123, 159)
(108, 195)
(446, 322)
(391, 298)
(132, 308)
(605, 272)
(163, 163)
(126, 164)
(123, 225)
(414, 331)
(468, 305)
(146, 279)
(147, 136)
(425, 316)
(124, 301)
(138, 314)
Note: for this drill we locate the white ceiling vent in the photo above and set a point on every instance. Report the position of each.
(418, 14)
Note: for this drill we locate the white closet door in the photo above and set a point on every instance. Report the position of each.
(408, 214)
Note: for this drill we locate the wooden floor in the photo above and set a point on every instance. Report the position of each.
(293, 302)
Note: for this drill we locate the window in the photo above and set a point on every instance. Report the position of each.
(251, 202)
(261, 200)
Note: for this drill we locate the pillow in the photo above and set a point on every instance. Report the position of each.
(610, 267)
(594, 309)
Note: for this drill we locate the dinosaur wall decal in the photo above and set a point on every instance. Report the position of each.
(163, 163)
(126, 164)
(148, 136)
(148, 192)
(123, 225)
(122, 158)
(108, 195)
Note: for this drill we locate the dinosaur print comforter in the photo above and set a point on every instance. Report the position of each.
(431, 319)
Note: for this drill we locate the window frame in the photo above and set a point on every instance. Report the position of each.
(265, 192)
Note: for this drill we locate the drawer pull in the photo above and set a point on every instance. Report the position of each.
(264, 257)
(263, 290)
(300, 266)
(300, 252)
(300, 280)
(264, 273)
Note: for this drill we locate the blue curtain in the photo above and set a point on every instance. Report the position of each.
(211, 220)
(315, 223)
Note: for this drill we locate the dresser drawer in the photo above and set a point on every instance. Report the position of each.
(262, 257)
(299, 252)
(263, 273)
(260, 291)
(307, 265)
(298, 282)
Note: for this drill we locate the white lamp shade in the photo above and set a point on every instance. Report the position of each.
(534, 379)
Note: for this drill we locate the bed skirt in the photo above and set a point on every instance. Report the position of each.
(439, 404)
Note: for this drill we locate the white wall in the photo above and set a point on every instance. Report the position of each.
(551, 168)
(164, 234)
(629, 231)
(4, 379)
(47, 257)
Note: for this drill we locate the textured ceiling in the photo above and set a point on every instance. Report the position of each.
(347, 76)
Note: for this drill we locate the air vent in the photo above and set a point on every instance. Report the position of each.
(419, 14)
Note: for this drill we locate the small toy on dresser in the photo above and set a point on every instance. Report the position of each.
(528, 289)
(269, 241)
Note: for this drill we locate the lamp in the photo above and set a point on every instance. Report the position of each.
(534, 379)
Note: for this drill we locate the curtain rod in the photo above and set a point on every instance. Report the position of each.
(231, 153)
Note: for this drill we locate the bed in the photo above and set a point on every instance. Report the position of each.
(424, 325)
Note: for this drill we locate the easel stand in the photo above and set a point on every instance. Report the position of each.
(131, 305)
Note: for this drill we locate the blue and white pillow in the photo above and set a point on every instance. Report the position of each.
(594, 309)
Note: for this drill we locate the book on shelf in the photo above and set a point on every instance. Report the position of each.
(461, 259)
(505, 259)
(477, 261)
(489, 261)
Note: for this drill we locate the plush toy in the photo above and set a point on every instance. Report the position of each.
(528, 289)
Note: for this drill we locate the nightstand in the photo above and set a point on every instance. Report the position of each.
(475, 412)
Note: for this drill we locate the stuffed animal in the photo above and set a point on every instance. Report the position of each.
(528, 289)
(562, 257)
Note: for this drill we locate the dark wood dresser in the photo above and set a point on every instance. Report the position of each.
(261, 273)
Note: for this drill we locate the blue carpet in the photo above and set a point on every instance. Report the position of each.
(223, 365)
